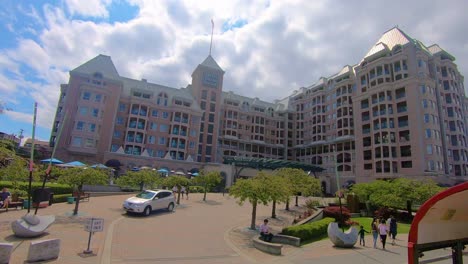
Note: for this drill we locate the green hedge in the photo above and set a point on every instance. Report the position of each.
(55, 187)
(310, 231)
(61, 198)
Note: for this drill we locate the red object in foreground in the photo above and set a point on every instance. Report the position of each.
(440, 222)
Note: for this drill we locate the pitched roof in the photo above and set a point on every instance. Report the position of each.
(100, 63)
(390, 39)
(211, 63)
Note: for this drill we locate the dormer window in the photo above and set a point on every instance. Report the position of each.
(97, 75)
(162, 99)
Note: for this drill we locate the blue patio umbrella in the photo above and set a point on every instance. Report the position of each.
(195, 174)
(54, 161)
(163, 170)
(99, 166)
(74, 164)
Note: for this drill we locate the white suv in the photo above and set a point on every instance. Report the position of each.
(150, 200)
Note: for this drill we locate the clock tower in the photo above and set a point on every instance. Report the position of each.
(206, 88)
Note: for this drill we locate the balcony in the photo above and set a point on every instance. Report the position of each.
(403, 123)
(402, 109)
(366, 131)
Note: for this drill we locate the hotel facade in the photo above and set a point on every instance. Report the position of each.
(400, 112)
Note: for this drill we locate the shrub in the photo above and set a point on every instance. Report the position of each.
(334, 212)
(196, 189)
(54, 187)
(61, 198)
(311, 204)
(309, 231)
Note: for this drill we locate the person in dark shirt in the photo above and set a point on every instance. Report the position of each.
(4, 198)
(393, 229)
(361, 236)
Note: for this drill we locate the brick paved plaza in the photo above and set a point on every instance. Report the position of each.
(214, 231)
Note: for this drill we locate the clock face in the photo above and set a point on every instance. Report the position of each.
(210, 79)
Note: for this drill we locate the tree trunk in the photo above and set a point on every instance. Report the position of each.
(254, 215)
(273, 210)
(287, 204)
(178, 195)
(77, 202)
(297, 197)
(204, 195)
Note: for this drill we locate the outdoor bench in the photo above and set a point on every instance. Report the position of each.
(83, 196)
(267, 247)
(13, 205)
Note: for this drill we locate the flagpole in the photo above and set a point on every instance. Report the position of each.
(31, 159)
(212, 28)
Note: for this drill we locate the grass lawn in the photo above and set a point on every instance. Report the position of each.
(402, 228)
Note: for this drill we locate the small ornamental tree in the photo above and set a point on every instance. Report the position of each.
(208, 180)
(299, 182)
(16, 171)
(177, 181)
(278, 189)
(252, 190)
(140, 179)
(77, 177)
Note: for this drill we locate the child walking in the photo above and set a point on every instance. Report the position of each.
(361, 233)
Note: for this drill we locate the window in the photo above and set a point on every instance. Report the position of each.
(98, 98)
(114, 147)
(428, 133)
(151, 139)
(212, 107)
(191, 144)
(213, 96)
(89, 143)
(92, 127)
(153, 126)
(95, 112)
(154, 113)
(423, 89)
(117, 134)
(79, 125)
(121, 107)
(424, 103)
(83, 110)
(86, 96)
(162, 141)
(120, 120)
(406, 164)
(209, 139)
(430, 165)
(160, 153)
(163, 128)
(203, 105)
(211, 118)
(426, 118)
(193, 133)
(208, 151)
(76, 142)
(204, 94)
(210, 128)
(429, 149)
(165, 115)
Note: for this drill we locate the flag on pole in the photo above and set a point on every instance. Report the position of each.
(212, 24)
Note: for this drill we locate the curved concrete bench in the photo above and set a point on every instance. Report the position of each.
(289, 240)
(267, 247)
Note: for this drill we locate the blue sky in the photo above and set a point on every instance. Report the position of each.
(267, 48)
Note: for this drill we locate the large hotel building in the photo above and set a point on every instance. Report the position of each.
(400, 112)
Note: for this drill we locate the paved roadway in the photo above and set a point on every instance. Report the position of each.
(197, 232)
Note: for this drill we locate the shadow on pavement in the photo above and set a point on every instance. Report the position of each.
(210, 202)
(155, 213)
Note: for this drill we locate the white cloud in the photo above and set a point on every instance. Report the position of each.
(283, 46)
(88, 8)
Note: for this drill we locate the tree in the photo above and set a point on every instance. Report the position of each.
(208, 180)
(140, 178)
(299, 182)
(277, 188)
(177, 181)
(399, 193)
(16, 171)
(77, 177)
(252, 190)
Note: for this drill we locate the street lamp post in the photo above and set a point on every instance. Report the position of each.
(338, 187)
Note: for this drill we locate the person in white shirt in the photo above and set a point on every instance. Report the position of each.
(265, 233)
(383, 232)
(182, 191)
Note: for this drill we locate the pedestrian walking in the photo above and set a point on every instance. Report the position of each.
(383, 230)
(393, 229)
(375, 232)
(174, 190)
(182, 191)
(361, 233)
(187, 192)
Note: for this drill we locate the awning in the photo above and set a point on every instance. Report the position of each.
(53, 161)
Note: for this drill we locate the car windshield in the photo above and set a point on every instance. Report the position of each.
(145, 195)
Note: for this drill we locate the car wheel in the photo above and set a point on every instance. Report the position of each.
(170, 208)
(147, 211)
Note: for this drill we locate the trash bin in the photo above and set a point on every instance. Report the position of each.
(70, 200)
(26, 204)
(51, 198)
